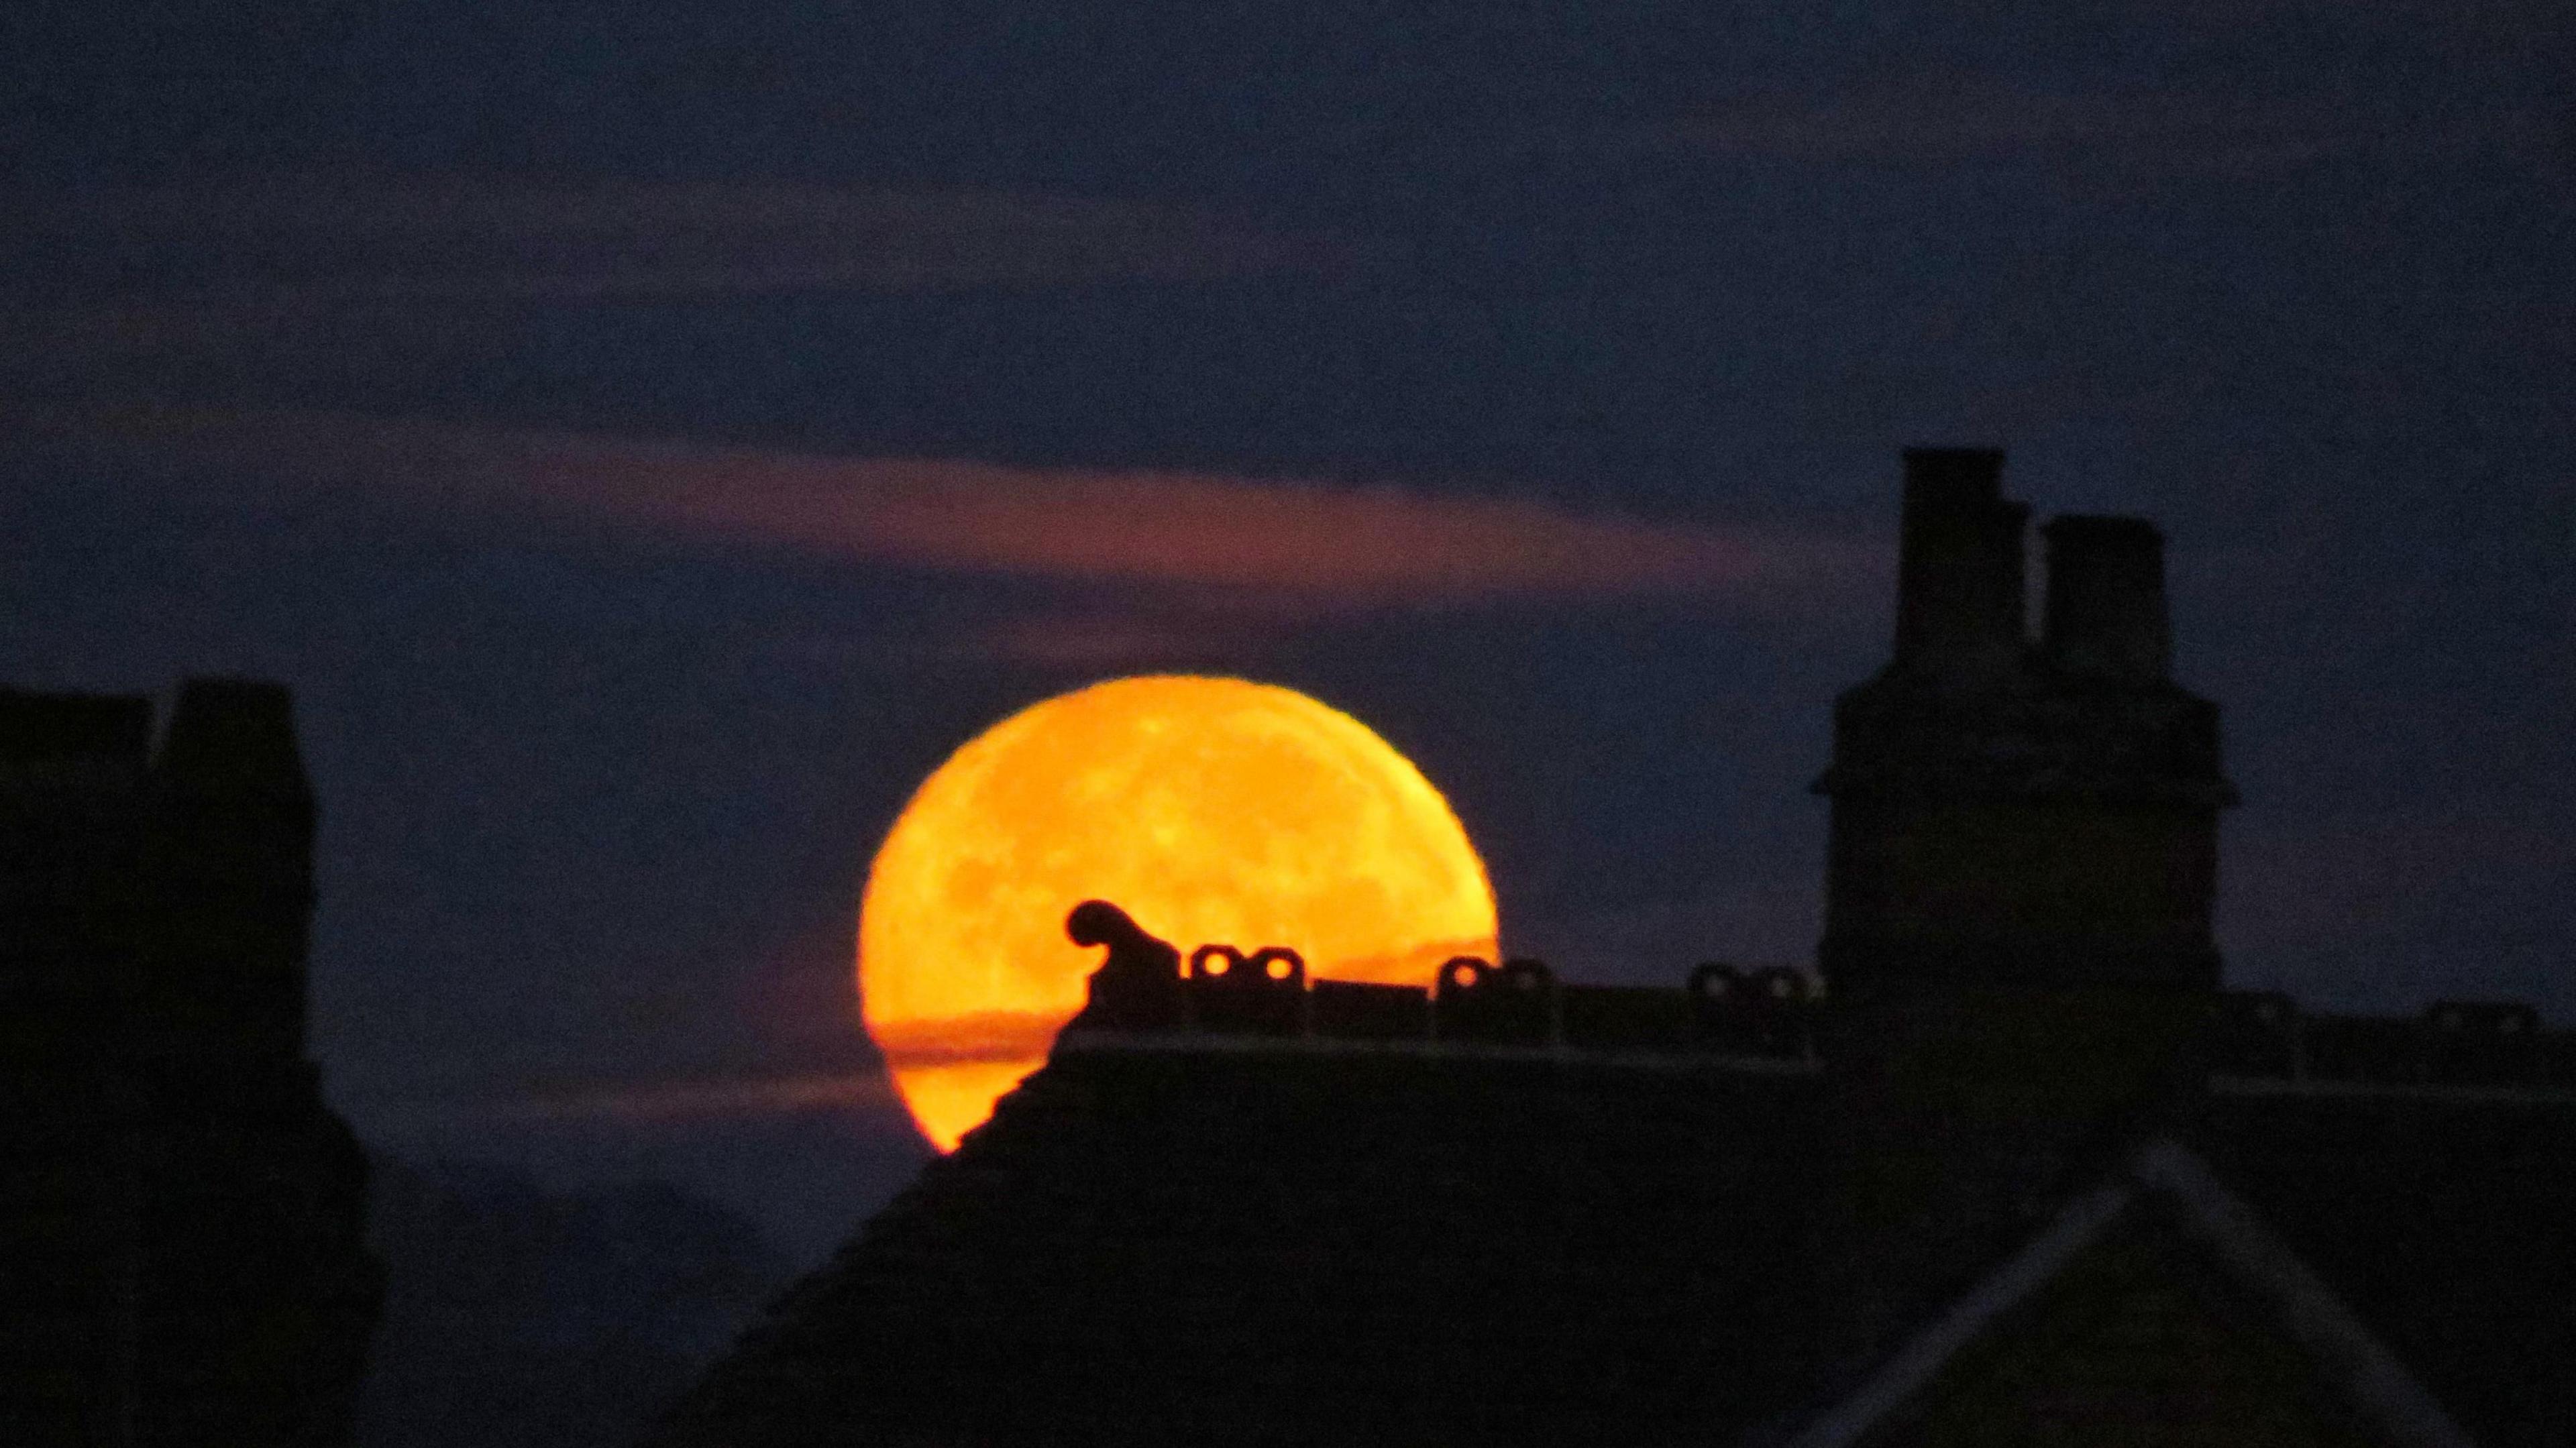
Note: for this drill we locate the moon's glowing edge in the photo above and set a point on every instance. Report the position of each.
(1210, 808)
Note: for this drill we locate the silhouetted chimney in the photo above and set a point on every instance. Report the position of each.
(1959, 564)
(234, 737)
(2106, 598)
(230, 860)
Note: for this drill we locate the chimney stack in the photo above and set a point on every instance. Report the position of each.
(229, 862)
(2106, 599)
(234, 737)
(1959, 563)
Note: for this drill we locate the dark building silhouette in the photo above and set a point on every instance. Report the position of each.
(2010, 812)
(2022, 1172)
(180, 1214)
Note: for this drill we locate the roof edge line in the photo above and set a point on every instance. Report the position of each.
(2376, 1378)
(1921, 1359)
(1088, 1041)
(2226, 1085)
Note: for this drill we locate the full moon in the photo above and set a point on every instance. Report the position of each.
(1210, 809)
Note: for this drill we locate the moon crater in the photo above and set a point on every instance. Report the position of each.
(1210, 809)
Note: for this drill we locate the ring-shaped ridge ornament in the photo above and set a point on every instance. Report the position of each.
(1278, 964)
(1715, 981)
(1464, 973)
(1216, 962)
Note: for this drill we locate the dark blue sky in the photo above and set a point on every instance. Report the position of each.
(544, 397)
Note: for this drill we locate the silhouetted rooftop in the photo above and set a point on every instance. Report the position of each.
(1339, 1235)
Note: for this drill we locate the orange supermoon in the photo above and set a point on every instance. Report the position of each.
(1210, 809)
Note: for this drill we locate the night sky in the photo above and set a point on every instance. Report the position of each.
(650, 435)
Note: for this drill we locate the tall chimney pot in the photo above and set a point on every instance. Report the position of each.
(2106, 598)
(1959, 571)
(234, 736)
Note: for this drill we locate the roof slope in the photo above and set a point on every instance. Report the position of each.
(1311, 1240)
(2158, 1307)
(1296, 1246)
(2445, 1218)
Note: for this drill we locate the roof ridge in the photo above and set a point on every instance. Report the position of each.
(2372, 1376)
(2317, 1318)
(1921, 1357)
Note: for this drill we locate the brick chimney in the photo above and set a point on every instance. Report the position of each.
(229, 855)
(2016, 817)
(2106, 599)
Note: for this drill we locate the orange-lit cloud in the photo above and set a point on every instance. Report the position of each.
(995, 1036)
(637, 1101)
(956, 1040)
(1264, 546)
